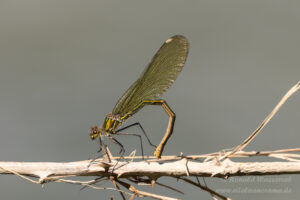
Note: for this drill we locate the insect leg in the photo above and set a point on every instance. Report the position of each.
(132, 134)
(171, 123)
(101, 144)
(170, 127)
(122, 150)
(143, 131)
(103, 149)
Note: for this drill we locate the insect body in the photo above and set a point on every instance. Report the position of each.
(158, 76)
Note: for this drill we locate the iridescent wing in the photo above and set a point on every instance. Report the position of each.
(157, 77)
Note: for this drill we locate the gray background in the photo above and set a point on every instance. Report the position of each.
(64, 64)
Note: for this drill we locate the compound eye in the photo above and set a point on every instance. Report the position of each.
(94, 132)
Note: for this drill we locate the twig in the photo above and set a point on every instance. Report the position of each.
(205, 188)
(152, 170)
(142, 193)
(267, 119)
(117, 187)
(89, 184)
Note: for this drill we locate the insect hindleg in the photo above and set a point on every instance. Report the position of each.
(137, 135)
(171, 123)
(140, 126)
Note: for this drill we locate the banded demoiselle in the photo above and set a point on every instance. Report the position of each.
(158, 76)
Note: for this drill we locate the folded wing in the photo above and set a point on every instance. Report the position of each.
(159, 75)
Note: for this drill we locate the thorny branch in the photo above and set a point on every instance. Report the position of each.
(133, 171)
(120, 172)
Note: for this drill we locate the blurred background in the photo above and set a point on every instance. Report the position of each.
(64, 64)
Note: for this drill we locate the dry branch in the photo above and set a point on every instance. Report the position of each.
(118, 170)
(123, 171)
(53, 171)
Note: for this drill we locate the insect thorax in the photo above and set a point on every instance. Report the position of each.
(111, 123)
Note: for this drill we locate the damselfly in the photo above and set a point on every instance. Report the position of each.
(159, 75)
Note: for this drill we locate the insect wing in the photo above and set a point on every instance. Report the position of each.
(159, 75)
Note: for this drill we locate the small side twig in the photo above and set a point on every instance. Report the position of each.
(204, 188)
(267, 119)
